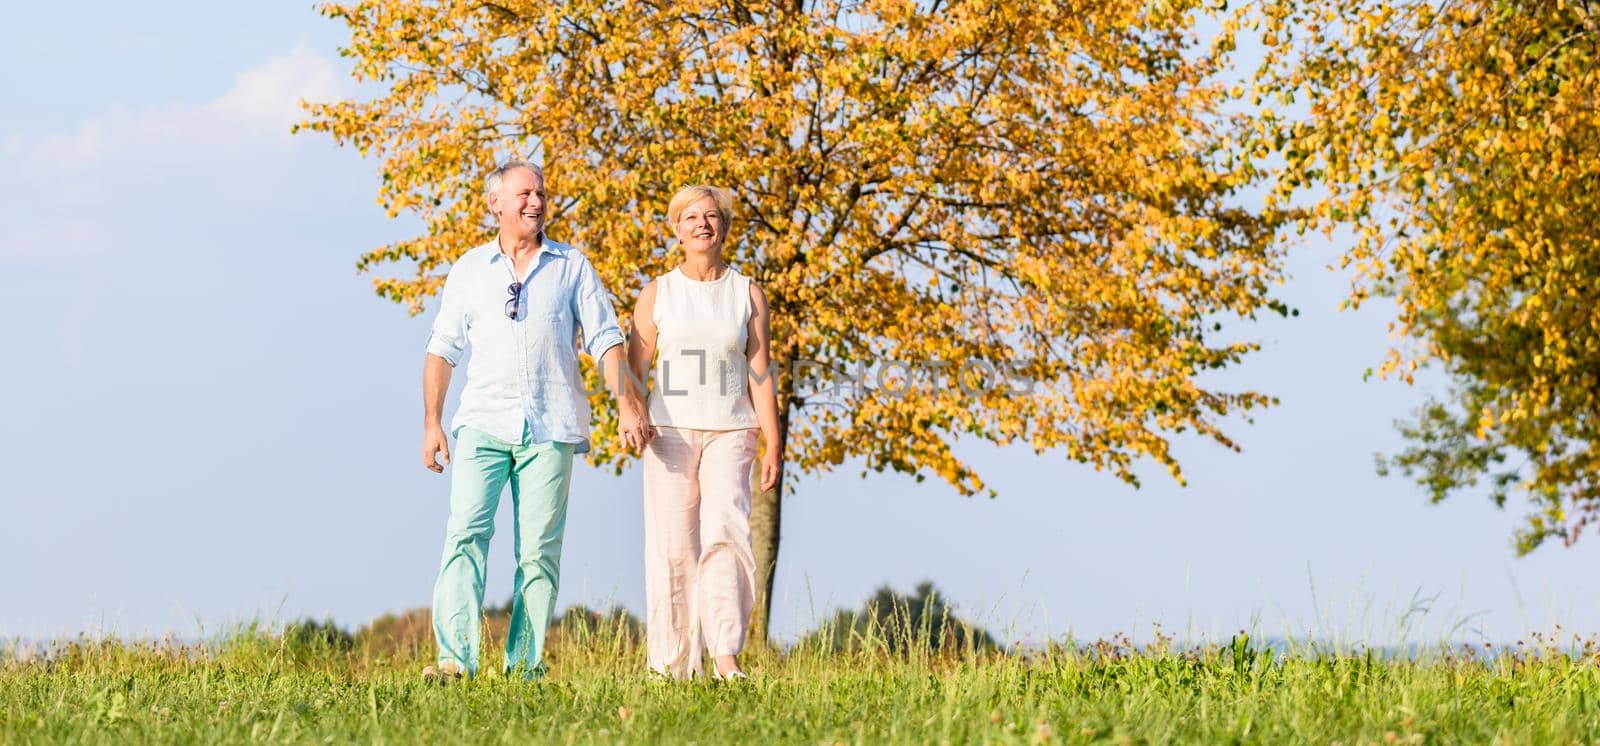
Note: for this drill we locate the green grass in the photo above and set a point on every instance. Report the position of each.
(252, 686)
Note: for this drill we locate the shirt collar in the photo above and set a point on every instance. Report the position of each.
(546, 246)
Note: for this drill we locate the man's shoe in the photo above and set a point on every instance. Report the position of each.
(442, 674)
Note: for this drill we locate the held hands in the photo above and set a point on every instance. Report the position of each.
(635, 428)
(435, 443)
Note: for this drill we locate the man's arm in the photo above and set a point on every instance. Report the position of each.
(435, 382)
(602, 338)
(634, 420)
(445, 345)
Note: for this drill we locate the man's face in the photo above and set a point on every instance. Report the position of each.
(520, 203)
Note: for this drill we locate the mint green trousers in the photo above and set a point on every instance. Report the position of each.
(480, 469)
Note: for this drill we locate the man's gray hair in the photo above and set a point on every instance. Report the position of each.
(491, 183)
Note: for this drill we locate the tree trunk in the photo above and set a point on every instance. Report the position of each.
(765, 520)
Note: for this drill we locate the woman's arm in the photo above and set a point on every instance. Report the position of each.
(763, 384)
(642, 337)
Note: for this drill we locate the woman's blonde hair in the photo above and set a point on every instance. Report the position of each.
(692, 194)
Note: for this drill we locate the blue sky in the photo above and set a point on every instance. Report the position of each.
(213, 419)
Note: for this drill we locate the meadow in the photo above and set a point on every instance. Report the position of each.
(881, 681)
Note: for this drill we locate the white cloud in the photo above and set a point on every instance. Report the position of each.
(152, 162)
(267, 97)
(256, 112)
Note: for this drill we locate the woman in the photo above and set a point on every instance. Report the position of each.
(712, 391)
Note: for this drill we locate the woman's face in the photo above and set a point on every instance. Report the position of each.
(700, 226)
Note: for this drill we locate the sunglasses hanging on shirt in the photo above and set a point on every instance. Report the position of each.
(513, 305)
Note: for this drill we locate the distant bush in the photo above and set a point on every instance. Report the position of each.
(580, 623)
(311, 634)
(900, 623)
(410, 633)
(406, 634)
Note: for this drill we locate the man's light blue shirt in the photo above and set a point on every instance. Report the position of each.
(524, 371)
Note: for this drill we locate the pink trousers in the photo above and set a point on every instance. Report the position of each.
(699, 574)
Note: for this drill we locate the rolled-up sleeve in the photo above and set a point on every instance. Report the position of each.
(597, 318)
(449, 336)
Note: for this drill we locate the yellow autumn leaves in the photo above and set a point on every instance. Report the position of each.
(1040, 187)
(1065, 190)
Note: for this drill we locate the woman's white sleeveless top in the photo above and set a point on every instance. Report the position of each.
(701, 375)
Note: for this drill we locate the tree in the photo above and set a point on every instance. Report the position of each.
(1461, 141)
(1036, 192)
(901, 623)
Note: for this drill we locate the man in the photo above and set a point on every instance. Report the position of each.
(523, 303)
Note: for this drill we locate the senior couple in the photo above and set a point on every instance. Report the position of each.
(526, 305)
